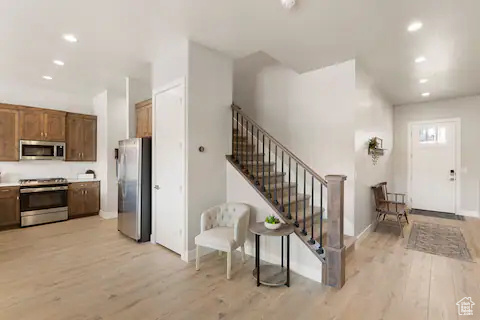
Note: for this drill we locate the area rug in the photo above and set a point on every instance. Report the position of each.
(436, 214)
(439, 239)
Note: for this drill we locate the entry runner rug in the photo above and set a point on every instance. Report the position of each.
(439, 239)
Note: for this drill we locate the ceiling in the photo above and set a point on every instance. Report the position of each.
(119, 37)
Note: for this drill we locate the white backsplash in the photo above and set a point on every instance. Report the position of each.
(30, 169)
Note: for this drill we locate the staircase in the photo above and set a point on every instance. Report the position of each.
(293, 190)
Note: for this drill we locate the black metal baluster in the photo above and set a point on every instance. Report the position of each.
(275, 200)
(269, 155)
(312, 238)
(238, 146)
(289, 214)
(238, 134)
(304, 231)
(233, 138)
(257, 178)
(251, 158)
(296, 195)
(263, 162)
(246, 149)
(281, 194)
(320, 249)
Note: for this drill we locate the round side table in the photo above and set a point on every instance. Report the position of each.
(272, 275)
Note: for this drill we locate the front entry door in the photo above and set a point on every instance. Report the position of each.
(433, 166)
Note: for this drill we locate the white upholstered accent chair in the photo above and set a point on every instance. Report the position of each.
(224, 228)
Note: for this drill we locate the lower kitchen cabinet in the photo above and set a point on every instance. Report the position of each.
(83, 199)
(9, 207)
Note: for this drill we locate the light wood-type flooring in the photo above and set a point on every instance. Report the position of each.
(84, 269)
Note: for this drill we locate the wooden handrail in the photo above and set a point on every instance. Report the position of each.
(284, 149)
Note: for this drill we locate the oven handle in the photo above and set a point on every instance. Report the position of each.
(32, 190)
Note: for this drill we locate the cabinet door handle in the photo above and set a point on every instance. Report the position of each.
(41, 133)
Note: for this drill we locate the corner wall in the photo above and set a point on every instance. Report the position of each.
(373, 118)
(210, 86)
(312, 114)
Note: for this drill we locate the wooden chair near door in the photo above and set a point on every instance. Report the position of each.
(389, 204)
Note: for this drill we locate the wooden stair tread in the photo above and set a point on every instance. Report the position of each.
(272, 174)
(286, 185)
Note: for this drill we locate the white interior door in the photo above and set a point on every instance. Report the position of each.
(169, 167)
(433, 166)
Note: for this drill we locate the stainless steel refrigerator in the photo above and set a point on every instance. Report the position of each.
(135, 188)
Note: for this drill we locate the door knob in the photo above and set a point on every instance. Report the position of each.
(157, 187)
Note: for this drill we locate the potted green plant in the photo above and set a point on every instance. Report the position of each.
(373, 150)
(272, 223)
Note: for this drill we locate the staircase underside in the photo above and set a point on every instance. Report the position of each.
(294, 199)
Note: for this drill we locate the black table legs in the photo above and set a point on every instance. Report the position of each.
(257, 257)
(288, 259)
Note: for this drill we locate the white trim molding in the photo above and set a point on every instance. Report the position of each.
(108, 214)
(468, 213)
(458, 158)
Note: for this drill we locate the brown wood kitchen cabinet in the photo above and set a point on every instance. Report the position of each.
(9, 126)
(9, 207)
(83, 199)
(81, 137)
(143, 111)
(41, 124)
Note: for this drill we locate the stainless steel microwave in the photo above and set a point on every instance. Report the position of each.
(41, 150)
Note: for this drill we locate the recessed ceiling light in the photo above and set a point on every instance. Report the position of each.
(70, 38)
(420, 59)
(47, 77)
(415, 26)
(426, 94)
(58, 62)
(423, 81)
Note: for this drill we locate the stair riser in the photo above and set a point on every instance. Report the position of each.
(299, 205)
(244, 147)
(251, 157)
(266, 170)
(285, 192)
(272, 179)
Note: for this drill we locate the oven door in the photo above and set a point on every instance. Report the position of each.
(34, 200)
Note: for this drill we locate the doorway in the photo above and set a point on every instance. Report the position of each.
(169, 204)
(434, 160)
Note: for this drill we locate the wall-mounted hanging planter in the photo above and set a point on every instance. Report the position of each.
(375, 149)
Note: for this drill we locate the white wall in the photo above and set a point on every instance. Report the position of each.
(302, 260)
(171, 65)
(373, 118)
(312, 114)
(14, 93)
(210, 86)
(110, 108)
(100, 104)
(209, 82)
(468, 110)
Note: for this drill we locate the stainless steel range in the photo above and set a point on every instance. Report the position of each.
(43, 201)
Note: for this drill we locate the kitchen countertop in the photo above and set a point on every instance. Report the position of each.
(72, 180)
(9, 184)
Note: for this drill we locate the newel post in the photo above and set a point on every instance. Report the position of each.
(335, 249)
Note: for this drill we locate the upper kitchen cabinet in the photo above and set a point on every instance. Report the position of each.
(54, 122)
(81, 137)
(40, 124)
(144, 118)
(9, 127)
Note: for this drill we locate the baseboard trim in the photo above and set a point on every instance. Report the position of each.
(466, 213)
(363, 235)
(108, 215)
